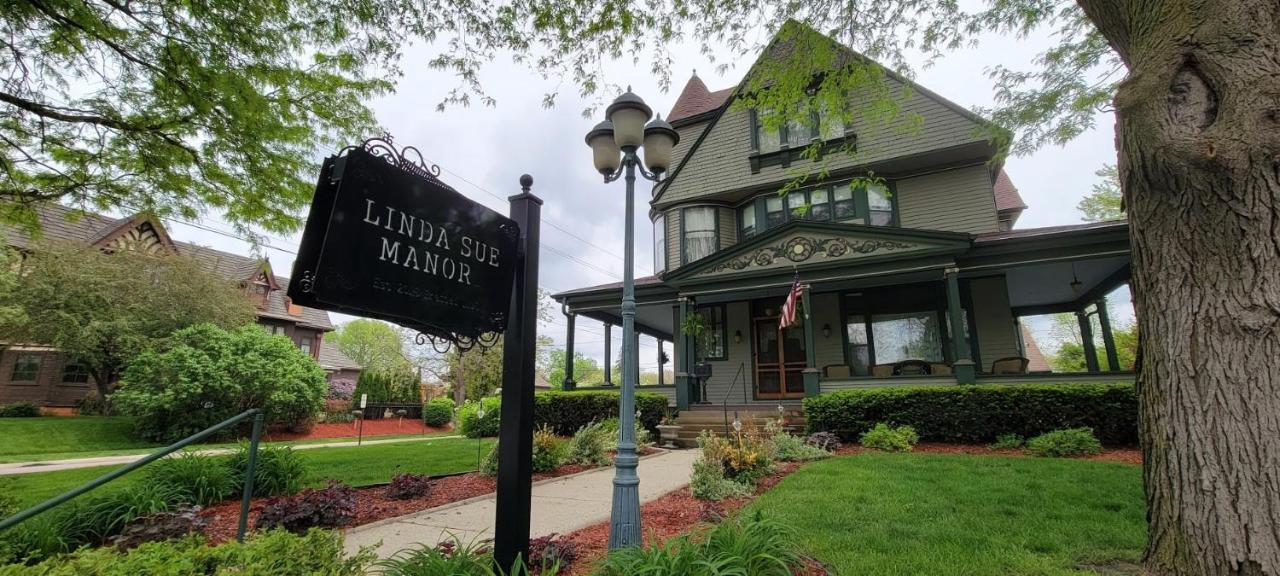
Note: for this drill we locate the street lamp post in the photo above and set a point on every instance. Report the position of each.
(614, 143)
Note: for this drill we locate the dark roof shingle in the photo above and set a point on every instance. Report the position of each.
(1007, 197)
(695, 99)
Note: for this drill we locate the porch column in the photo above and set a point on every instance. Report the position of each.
(1108, 341)
(569, 382)
(682, 357)
(965, 371)
(608, 354)
(811, 372)
(1086, 336)
(661, 371)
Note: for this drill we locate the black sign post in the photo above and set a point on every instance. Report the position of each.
(387, 239)
(519, 353)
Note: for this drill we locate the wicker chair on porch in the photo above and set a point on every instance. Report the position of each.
(1010, 365)
(882, 370)
(940, 369)
(911, 368)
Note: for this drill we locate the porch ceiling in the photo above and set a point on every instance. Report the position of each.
(657, 320)
(1047, 287)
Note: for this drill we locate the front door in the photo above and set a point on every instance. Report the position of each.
(780, 360)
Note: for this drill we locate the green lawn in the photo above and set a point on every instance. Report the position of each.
(963, 515)
(51, 438)
(58, 438)
(357, 466)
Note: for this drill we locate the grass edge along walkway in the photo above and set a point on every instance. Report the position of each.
(357, 466)
(954, 515)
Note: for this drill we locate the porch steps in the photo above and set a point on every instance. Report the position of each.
(692, 422)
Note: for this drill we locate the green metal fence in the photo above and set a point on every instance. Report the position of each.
(170, 449)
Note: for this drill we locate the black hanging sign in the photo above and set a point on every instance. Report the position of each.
(387, 239)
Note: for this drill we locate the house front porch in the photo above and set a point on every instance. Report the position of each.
(879, 308)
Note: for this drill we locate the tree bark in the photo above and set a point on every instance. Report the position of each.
(1198, 131)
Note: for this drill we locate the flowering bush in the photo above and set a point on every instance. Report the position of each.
(340, 389)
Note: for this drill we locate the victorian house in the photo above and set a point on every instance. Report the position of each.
(41, 375)
(919, 275)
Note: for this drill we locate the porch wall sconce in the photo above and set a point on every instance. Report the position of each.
(826, 330)
(737, 336)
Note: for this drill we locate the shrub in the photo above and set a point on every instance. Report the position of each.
(339, 416)
(279, 470)
(708, 482)
(977, 414)
(548, 451)
(331, 506)
(552, 551)
(824, 440)
(1008, 442)
(452, 558)
(889, 439)
(340, 390)
(611, 426)
(387, 387)
(750, 545)
(160, 526)
(589, 446)
(94, 405)
(89, 520)
(193, 479)
(474, 427)
(438, 412)
(790, 448)
(203, 375)
(19, 410)
(277, 553)
(566, 412)
(409, 485)
(746, 456)
(1065, 443)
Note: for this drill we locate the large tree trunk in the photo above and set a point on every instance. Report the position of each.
(1198, 128)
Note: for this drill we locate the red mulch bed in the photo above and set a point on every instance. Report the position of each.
(384, 427)
(373, 503)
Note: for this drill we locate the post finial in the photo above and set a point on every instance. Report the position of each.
(526, 182)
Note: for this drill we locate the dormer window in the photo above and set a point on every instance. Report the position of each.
(785, 144)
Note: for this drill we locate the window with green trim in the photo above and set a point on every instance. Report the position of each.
(659, 244)
(843, 202)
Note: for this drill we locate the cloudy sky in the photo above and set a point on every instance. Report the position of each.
(483, 151)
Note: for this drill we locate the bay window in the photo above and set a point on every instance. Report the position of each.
(847, 202)
(699, 238)
(747, 219)
(659, 244)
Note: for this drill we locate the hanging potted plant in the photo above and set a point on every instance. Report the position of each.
(695, 327)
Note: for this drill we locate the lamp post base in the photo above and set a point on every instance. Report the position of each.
(624, 525)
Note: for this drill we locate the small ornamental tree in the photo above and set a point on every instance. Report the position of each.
(205, 374)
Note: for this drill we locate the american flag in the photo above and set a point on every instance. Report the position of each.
(788, 318)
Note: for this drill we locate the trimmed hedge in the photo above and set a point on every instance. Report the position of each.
(438, 412)
(979, 414)
(566, 412)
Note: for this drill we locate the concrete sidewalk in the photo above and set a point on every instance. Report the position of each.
(73, 463)
(560, 505)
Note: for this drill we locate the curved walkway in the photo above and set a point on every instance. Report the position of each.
(560, 505)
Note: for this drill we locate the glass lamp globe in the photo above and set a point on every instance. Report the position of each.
(659, 139)
(628, 113)
(603, 149)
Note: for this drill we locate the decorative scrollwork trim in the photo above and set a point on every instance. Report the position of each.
(409, 158)
(801, 248)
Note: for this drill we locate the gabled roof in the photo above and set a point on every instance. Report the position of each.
(60, 222)
(332, 358)
(695, 99)
(1007, 197)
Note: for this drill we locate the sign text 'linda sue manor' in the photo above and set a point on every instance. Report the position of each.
(386, 239)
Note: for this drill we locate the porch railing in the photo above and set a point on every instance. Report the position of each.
(245, 496)
(724, 402)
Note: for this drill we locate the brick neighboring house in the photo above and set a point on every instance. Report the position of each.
(43, 376)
